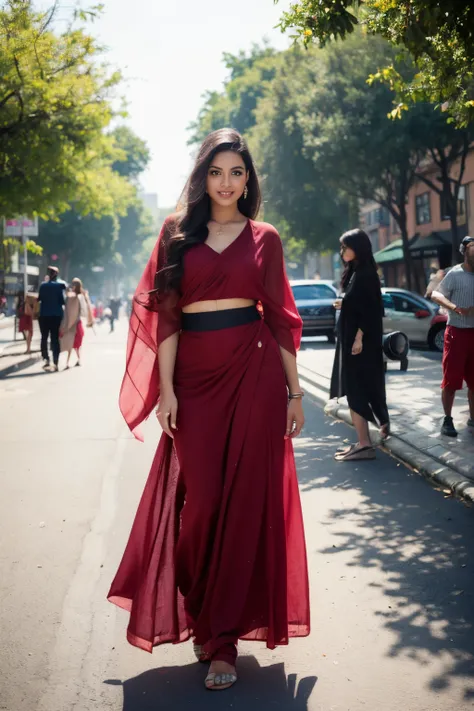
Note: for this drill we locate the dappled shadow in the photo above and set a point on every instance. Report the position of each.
(179, 688)
(419, 540)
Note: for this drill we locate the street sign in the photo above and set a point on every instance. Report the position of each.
(23, 227)
(20, 227)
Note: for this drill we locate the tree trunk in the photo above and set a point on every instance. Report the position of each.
(454, 238)
(407, 258)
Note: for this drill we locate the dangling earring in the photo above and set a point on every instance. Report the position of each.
(246, 192)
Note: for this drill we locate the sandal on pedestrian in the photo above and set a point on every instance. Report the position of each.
(220, 682)
(356, 454)
(345, 450)
(200, 654)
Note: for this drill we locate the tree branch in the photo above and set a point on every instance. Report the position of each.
(7, 98)
(429, 183)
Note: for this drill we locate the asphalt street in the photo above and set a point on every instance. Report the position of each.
(391, 567)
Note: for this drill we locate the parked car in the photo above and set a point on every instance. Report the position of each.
(315, 304)
(421, 320)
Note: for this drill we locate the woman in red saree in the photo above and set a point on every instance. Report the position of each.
(217, 549)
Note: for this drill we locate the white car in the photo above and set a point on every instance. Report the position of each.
(418, 318)
(315, 304)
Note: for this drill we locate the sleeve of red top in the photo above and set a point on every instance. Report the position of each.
(280, 312)
(154, 318)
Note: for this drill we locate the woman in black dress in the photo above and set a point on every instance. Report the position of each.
(358, 369)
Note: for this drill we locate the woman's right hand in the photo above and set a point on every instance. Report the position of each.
(338, 304)
(167, 412)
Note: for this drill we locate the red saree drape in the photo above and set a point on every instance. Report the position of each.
(217, 548)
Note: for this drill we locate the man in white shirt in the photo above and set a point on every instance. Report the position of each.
(456, 295)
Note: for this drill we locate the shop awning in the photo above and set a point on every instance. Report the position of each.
(429, 245)
(393, 252)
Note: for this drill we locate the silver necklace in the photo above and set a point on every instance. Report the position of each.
(220, 230)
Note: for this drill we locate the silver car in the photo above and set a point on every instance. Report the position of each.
(315, 304)
(420, 319)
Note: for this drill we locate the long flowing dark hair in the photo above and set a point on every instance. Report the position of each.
(194, 209)
(359, 242)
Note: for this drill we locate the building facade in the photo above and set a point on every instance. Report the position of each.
(429, 227)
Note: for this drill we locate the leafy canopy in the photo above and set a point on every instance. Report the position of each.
(438, 35)
(55, 104)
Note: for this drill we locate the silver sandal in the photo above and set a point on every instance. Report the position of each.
(220, 682)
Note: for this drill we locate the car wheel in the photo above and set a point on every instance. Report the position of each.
(331, 336)
(436, 337)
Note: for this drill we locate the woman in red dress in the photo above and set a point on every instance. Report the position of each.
(217, 549)
(24, 313)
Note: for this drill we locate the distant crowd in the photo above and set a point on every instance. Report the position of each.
(63, 312)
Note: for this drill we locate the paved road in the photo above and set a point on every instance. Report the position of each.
(392, 569)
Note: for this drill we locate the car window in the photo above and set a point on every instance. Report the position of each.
(405, 304)
(388, 301)
(308, 292)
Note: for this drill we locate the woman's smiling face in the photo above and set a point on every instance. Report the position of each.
(226, 178)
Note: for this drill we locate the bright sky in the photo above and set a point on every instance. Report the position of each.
(171, 51)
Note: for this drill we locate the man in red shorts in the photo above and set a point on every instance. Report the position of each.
(456, 294)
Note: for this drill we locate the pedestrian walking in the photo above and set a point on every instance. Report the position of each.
(217, 549)
(456, 295)
(358, 370)
(114, 306)
(77, 310)
(24, 315)
(51, 298)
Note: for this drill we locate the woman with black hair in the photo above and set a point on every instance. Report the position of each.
(358, 370)
(217, 549)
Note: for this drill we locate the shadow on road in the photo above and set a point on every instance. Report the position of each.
(422, 542)
(181, 688)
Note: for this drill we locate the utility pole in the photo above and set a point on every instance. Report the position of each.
(25, 259)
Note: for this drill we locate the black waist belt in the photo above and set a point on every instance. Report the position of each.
(217, 320)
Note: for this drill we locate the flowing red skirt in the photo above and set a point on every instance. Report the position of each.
(79, 335)
(217, 548)
(25, 323)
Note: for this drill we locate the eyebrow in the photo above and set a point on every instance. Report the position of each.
(240, 167)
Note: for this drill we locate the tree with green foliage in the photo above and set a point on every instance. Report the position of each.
(248, 80)
(258, 101)
(112, 241)
(438, 35)
(298, 196)
(134, 153)
(347, 132)
(55, 104)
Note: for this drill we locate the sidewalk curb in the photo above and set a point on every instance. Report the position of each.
(428, 466)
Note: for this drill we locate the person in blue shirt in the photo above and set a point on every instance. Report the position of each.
(51, 298)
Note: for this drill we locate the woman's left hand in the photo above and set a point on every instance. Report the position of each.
(295, 418)
(357, 346)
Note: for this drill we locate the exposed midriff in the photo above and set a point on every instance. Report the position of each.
(217, 305)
